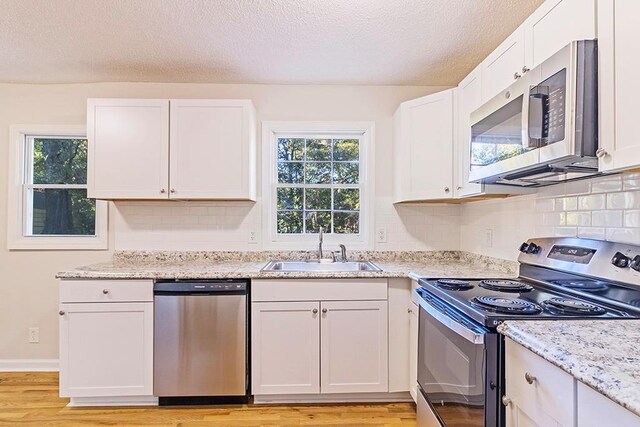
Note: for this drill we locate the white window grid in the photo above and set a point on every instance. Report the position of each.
(28, 186)
(330, 186)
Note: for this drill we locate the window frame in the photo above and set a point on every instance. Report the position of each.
(18, 202)
(271, 131)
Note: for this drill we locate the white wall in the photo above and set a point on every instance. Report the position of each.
(28, 291)
(604, 208)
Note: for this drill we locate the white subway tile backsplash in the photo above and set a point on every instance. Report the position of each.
(597, 233)
(632, 218)
(554, 218)
(624, 235)
(624, 200)
(592, 202)
(606, 218)
(631, 181)
(607, 185)
(545, 205)
(578, 218)
(566, 231)
(566, 204)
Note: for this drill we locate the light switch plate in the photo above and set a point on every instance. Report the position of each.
(381, 235)
(253, 236)
(34, 335)
(488, 237)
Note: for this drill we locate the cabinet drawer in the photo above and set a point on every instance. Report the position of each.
(106, 290)
(549, 398)
(318, 289)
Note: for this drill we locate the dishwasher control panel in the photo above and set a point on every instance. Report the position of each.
(185, 286)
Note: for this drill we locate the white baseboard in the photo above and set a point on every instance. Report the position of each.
(28, 365)
(333, 398)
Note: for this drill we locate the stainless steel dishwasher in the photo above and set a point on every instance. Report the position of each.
(200, 346)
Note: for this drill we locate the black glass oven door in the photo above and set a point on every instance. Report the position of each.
(451, 365)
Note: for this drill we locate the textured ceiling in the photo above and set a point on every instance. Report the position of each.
(405, 42)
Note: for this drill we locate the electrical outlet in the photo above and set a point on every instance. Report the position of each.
(253, 236)
(34, 335)
(488, 237)
(381, 235)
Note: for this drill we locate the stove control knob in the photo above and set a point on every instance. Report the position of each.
(635, 263)
(524, 247)
(620, 260)
(533, 248)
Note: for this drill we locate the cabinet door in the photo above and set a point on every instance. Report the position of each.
(596, 410)
(285, 345)
(128, 148)
(619, 90)
(106, 349)
(413, 351)
(354, 349)
(541, 394)
(424, 148)
(503, 65)
(555, 24)
(213, 149)
(469, 100)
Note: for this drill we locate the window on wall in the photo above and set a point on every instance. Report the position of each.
(49, 193)
(318, 181)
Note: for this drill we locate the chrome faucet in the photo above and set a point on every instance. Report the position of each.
(343, 253)
(320, 245)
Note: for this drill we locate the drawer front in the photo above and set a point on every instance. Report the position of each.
(318, 289)
(539, 390)
(106, 290)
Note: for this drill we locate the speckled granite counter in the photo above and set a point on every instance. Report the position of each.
(212, 265)
(604, 354)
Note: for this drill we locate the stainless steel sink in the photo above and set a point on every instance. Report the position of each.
(311, 266)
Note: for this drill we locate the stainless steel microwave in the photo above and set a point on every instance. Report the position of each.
(543, 129)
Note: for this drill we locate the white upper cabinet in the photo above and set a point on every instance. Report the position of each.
(552, 26)
(212, 149)
(171, 149)
(469, 100)
(503, 66)
(128, 148)
(423, 148)
(555, 24)
(619, 90)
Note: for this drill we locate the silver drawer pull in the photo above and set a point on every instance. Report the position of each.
(105, 291)
(61, 313)
(530, 378)
(314, 311)
(324, 310)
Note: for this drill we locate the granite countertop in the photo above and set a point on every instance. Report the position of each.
(214, 265)
(603, 354)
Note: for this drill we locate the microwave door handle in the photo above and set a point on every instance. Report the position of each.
(526, 141)
(443, 319)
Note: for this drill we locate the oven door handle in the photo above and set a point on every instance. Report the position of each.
(443, 319)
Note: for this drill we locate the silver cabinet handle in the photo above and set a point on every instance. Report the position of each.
(105, 291)
(601, 152)
(459, 187)
(525, 69)
(61, 313)
(324, 310)
(314, 311)
(173, 190)
(506, 401)
(162, 190)
(516, 75)
(529, 378)
(446, 189)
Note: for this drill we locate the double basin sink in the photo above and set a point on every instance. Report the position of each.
(319, 267)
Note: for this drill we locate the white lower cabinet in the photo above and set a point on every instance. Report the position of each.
(537, 392)
(324, 343)
(354, 351)
(285, 341)
(106, 347)
(597, 410)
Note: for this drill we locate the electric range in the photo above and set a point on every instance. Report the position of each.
(461, 355)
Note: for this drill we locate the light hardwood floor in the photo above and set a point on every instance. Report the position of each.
(31, 399)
